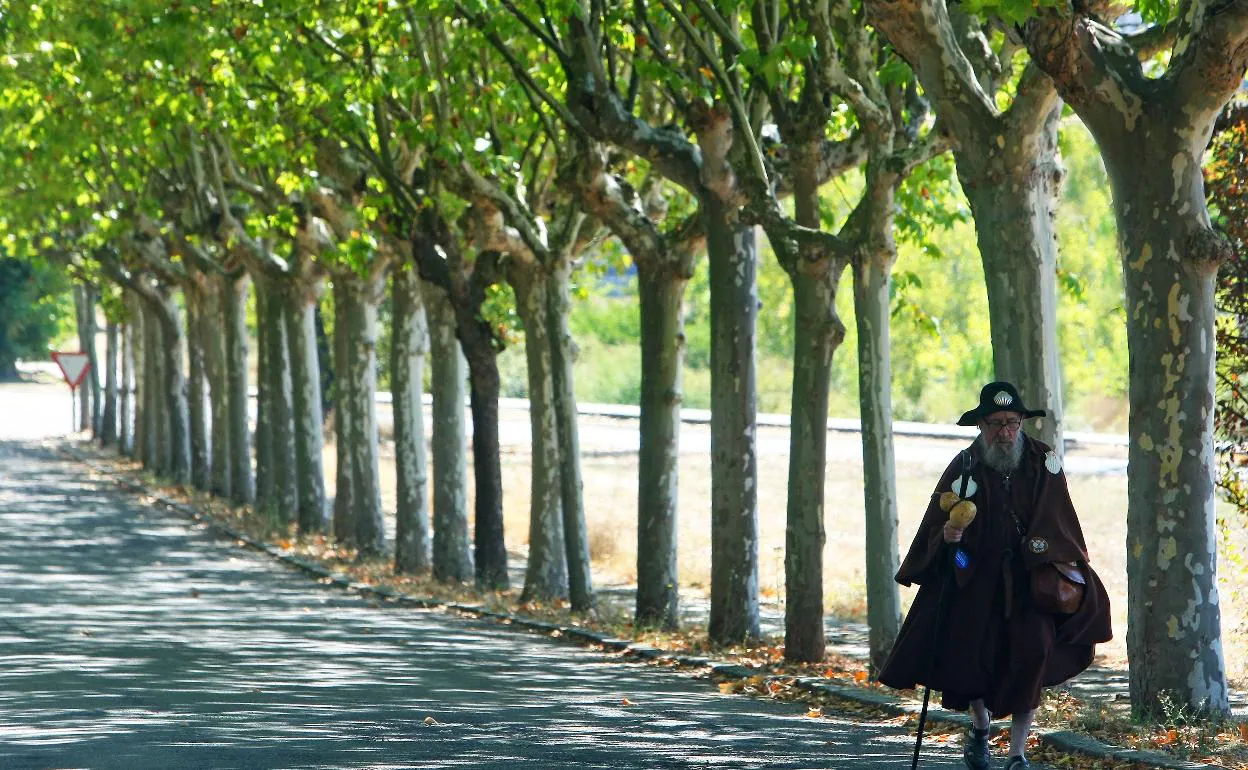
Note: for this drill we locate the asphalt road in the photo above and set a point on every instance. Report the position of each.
(130, 638)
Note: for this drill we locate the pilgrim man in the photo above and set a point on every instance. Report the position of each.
(978, 630)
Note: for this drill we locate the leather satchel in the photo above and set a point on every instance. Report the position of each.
(1057, 587)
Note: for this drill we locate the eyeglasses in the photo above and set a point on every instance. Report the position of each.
(999, 424)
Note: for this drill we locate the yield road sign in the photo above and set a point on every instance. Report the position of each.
(74, 366)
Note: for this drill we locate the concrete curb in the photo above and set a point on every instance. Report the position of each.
(1066, 741)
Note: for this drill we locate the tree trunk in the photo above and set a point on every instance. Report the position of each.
(125, 437)
(1013, 196)
(875, 383)
(325, 362)
(156, 442)
(108, 425)
(489, 544)
(412, 546)
(305, 378)
(93, 374)
(732, 255)
(80, 394)
(562, 347)
(452, 549)
(285, 482)
(817, 334)
(142, 418)
(547, 573)
(357, 404)
(173, 341)
(343, 524)
(436, 251)
(84, 310)
(197, 334)
(264, 439)
(242, 484)
(661, 294)
(220, 474)
(1169, 259)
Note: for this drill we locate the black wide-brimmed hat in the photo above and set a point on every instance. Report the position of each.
(998, 397)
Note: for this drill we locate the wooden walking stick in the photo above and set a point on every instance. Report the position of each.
(961, 513)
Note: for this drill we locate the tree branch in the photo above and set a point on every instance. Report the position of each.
(744, 125)
(922, 32)
(1211, 56)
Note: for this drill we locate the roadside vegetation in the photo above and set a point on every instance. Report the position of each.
(859, 210)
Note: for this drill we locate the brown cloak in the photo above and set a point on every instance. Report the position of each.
(993, 642)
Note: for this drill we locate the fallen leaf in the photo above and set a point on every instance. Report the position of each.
(1243, 731)
(626, 702)
(860, 676)
(815, 712)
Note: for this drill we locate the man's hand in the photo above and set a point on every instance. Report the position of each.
(952, 534)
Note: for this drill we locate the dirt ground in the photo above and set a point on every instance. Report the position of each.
(610, 483)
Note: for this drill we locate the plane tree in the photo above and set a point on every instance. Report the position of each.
(1002, 112)
(1152, 124)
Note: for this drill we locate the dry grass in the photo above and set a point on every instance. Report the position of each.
(610, 483)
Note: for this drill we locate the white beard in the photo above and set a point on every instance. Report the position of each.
(1002, 459)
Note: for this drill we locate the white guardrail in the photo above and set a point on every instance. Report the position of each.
(835, 425)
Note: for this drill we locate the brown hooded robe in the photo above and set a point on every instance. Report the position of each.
(994, 643)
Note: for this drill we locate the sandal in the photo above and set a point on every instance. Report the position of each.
(975, 748)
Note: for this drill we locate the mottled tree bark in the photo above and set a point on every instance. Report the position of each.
(438, 253)
(263, 438)
(1013, 196)
(547, 573)
(1007, 165)
(154, 409)
(1170, 260)
(413, 548)
(305, 380)
(214, 339)
(875, 379)
(1153, 132)
(818, 332)
(343, 523)
(452, 547)
(138, 338)
(664, 265)
(363, 522)
(177, 420)
(125, 435)
(661, 293)
(84, 306)
(575, 532)
(285, 482)
(108, 424)
(325, 361)
(733, 255)
(197, 383)
(234, 291)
